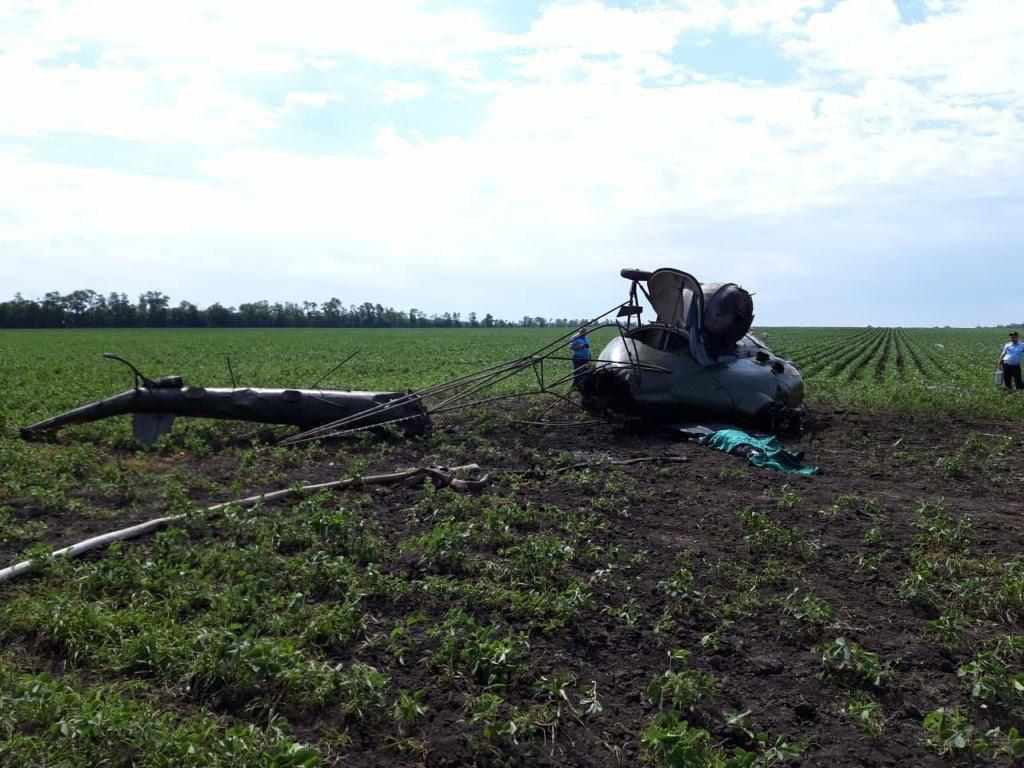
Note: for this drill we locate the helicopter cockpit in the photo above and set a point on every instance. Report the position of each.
(675, 341)
(678, 299)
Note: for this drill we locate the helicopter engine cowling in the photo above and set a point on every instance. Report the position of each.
(728, 314)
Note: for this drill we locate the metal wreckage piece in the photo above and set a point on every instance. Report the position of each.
(155, 403)
(696, 359)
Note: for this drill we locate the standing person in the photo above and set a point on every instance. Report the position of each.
(1010, 360)
(580, 346)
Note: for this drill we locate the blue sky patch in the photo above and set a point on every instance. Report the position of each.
(730, 57)
(912, 11)
(357, 107)
(503, 16)
(85, 54)
(176, 160)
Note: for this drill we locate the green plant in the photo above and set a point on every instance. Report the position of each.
(674, 743)
(680, 587)
(949, 629)
(555, 687)
(765, 535)
(808, 609)
(47, 721)
(590, 701)
(848, 504)
(953, 466)
(480, 652)
(232, 668)
(729, 474)
(866, 713)
(948, 731)
(997, 673)
(628, 613)
(786, 498)
(486, 711)
(941, 530)
(847, 661)
(364, 690)
(408, 709)
(334, 627)
(683, 688)
(444, 548)
(1009, 744)
(11, 529)
(540, 559)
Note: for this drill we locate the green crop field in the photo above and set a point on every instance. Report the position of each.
(941, 370)
(937, 370)
(51, 370)
(578, 609)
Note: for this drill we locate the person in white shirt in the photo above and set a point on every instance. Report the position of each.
(1010, 360)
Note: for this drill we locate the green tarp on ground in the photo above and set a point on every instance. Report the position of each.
(764, 452)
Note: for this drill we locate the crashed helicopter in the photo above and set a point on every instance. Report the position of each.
(712, 364)
(696, 359)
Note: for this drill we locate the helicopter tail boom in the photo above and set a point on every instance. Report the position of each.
(302, 408)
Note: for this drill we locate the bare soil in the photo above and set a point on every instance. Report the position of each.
(762, 663)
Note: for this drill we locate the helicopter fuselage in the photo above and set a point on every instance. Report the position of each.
(652, 370)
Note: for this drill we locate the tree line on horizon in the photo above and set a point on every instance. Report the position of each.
(153, 309)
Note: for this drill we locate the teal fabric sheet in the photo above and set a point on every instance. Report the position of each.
(764, 452)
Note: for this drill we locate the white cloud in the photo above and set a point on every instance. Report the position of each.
(574, 148)
(171, 72)
(396, 92)
(775, 17)
(312, 99)
(975, 50)
(594, 28)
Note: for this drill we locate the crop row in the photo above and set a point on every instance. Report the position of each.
(941, 370)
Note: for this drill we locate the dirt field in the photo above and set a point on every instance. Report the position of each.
(755, 574)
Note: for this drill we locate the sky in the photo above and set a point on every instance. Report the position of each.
(850, 162)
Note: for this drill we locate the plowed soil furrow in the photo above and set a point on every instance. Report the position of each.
(917, 359)
(883, 360)
(937, 361)
(809, 356)
(863, 361)
(839, 354)
(901, 361)
(817, 341)
(839, 367)
(845, 336)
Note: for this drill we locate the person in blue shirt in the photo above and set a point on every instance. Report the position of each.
(580, 346)
(1010, 360)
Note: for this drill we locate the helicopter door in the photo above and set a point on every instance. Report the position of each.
(677, 298)
(679, 301)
